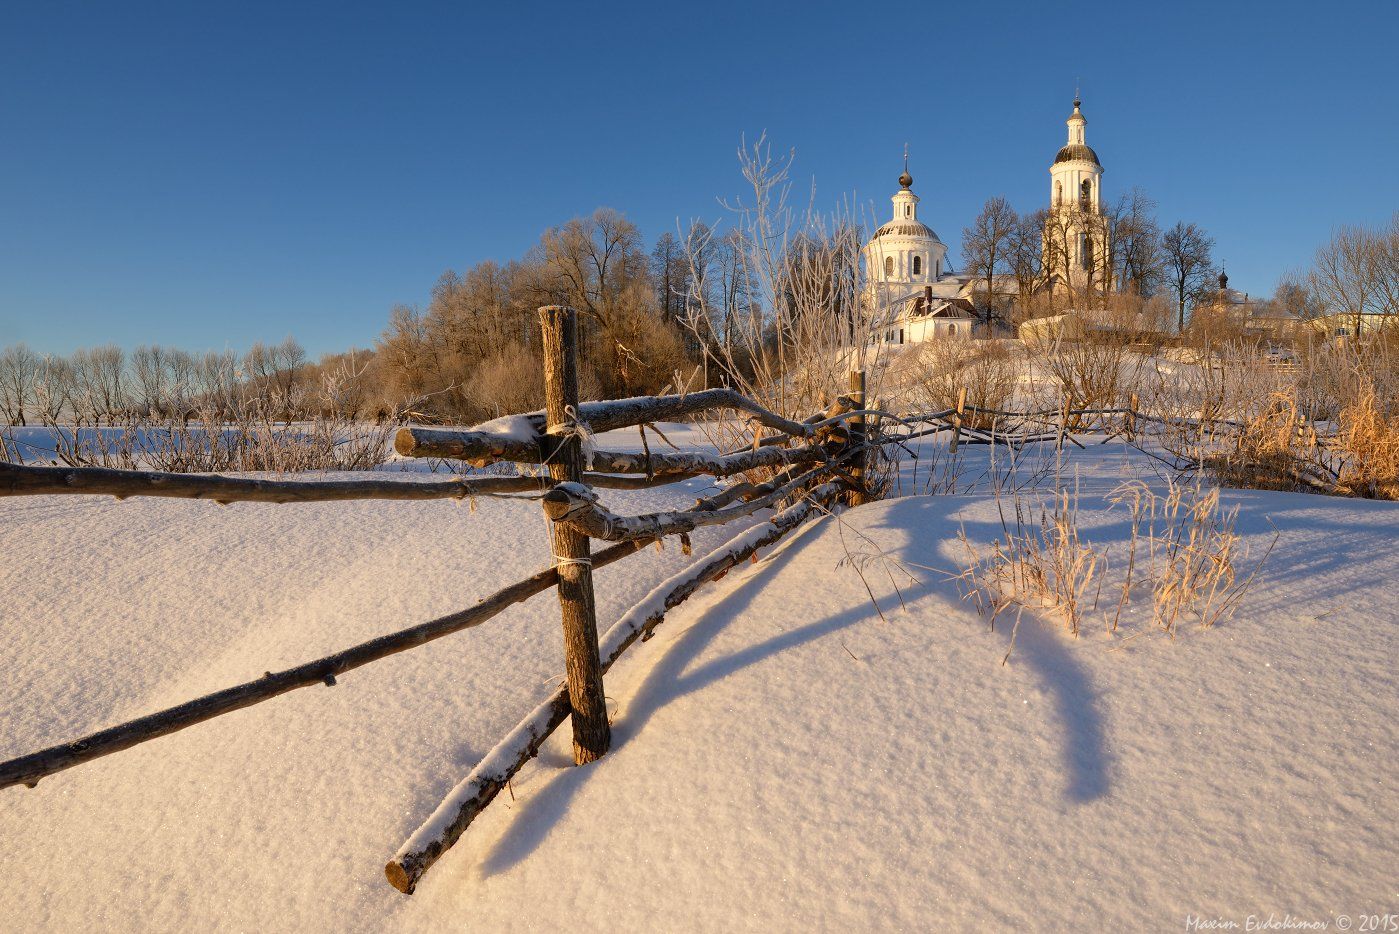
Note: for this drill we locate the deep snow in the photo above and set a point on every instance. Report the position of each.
(783, 758)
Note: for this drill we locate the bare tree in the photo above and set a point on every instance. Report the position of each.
(1189, 265)
(1026, 256)
(1133, 240)
(786, 290)
(18, 368)
(1357, 272)
(986, 249)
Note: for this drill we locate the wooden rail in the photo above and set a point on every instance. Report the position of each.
(801, 469)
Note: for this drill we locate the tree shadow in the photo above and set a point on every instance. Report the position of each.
(1086, 760)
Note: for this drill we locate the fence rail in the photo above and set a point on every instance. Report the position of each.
(807, 464)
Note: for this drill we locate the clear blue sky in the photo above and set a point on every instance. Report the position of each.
(208, 175)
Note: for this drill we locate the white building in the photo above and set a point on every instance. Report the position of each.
(911, 296)
(1075, 237)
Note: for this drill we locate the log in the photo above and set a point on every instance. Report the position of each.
(469, 798)
(528, 432)
(957, 419)
(27, 480)
(467, 446)
(592, 734)
(857, 495)
(573, 505)
(29, 769)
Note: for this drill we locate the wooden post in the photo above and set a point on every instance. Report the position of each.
(591, 733)
(1063, 425)
(957, 418)
(1132, 418)
(859, 495)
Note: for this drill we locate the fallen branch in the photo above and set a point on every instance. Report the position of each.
(461, 806)
(27, 770)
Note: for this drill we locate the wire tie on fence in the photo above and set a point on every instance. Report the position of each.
(575, 427)
(560, 561)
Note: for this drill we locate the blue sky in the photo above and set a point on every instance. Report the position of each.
(208, 175)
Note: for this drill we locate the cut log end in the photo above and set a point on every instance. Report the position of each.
(398, 877)
(404, 443)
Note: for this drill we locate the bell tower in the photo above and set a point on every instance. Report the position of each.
(1075, 239)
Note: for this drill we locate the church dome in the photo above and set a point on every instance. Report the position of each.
(905, 228)
(1077, 152)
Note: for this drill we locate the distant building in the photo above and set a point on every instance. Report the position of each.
(1342, 325)
(1247, 316)
(911, 294)
(1075, 252)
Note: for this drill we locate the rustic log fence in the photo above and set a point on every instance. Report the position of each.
(808, 465)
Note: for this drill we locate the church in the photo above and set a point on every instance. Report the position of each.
(913, 295)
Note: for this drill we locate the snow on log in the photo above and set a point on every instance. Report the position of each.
(479, 449)
(461, 806)
(519, 437)
(27, 770)
(575, 505)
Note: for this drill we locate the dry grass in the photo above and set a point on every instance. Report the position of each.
(1370, 437)
(1040, 563)
(935, 372)
(1182, 548)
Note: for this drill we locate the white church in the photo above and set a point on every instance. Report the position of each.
(912, 294)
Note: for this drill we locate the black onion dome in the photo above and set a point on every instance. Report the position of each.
(1077, 152)
(905, 180)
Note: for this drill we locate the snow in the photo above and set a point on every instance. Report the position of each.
(785, 757)
(513, 427)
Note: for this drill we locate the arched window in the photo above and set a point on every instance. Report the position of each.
(888, 267)
(1085, 195)
(1058, 193)
(1086, 251)
(908, 210)
(918, 265)
(952, 330)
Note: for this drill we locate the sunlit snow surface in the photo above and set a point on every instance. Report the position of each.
(784, 759)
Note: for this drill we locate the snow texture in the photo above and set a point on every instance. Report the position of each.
(784, 757)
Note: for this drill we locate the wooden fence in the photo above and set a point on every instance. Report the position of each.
(808, 464)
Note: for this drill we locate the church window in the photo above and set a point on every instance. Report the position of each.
(1085, 251)
(918, 265)
(908, 210)
(952, 330)
(888, 266)
(1058, 193)
(1085, 195)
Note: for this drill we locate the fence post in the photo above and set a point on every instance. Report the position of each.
(957, 419)
(591, 733)
(857, 436)
(1063, 425)
(1132, 418)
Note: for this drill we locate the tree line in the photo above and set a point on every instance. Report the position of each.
(1142, 265)
(771, 305)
